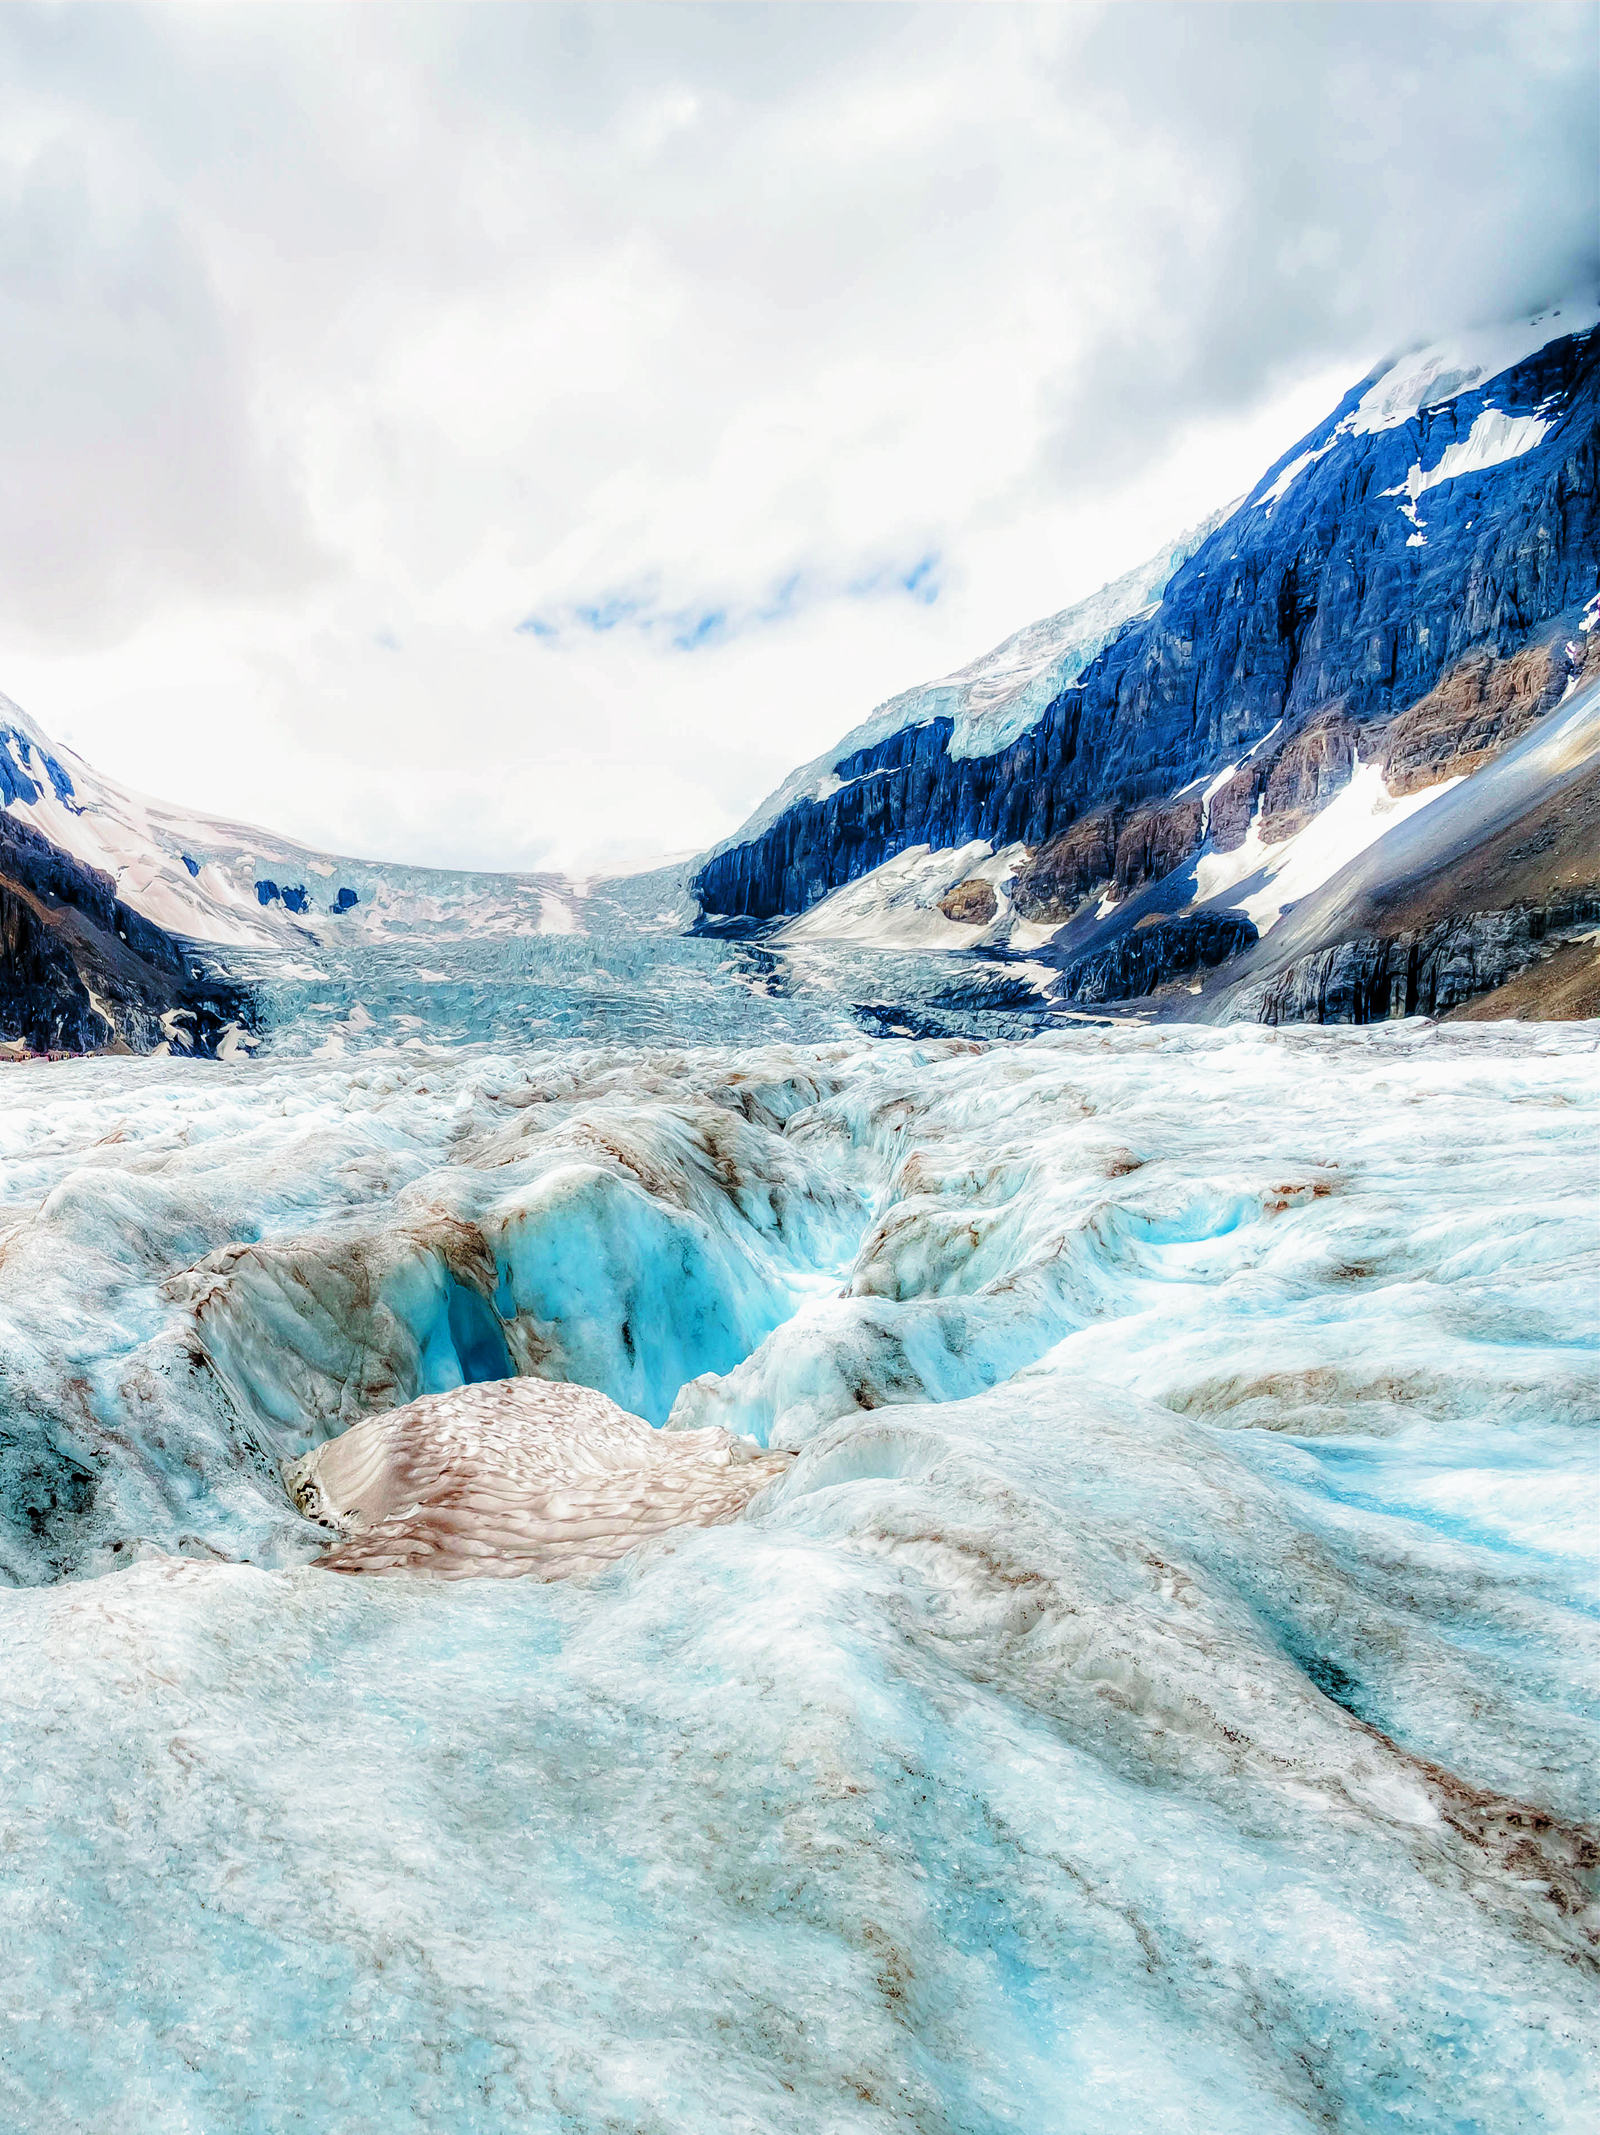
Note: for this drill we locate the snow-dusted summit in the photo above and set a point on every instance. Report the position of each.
(207, 879)
(1446, 512)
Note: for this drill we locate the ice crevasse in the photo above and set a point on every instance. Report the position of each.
(1146, 1690)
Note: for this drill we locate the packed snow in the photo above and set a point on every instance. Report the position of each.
(1426, 376)
(1147, 1687)
(1277, 875)
(897, 905)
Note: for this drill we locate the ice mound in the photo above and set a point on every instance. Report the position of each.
(516, 1479)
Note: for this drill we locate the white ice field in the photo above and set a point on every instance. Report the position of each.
(1157, 1694)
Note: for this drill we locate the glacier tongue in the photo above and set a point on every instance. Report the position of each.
(1149, 1693)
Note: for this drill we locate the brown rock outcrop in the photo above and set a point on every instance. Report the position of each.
(1481, 707)
(1110, 846)
(1062, 872)
(1233, 805)
(971, 903)
(1155, 840)
(1308, 771)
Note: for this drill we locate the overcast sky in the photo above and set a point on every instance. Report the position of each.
(516, 436)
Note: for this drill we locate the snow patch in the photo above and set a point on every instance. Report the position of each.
(1293, 472)
(896, 906)
(1424, 377)
(1356, 817)
(1493, 439)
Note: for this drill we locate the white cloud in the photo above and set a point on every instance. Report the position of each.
(338, 344)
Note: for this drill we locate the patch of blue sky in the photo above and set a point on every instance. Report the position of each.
(693, 631)
(691, 627)
(920, 579)
(614, 608)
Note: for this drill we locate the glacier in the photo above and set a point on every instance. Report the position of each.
(1037, 1568)
(1151, 1682)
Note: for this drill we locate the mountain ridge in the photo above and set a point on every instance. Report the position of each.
(1325, 589)
(1118, 805)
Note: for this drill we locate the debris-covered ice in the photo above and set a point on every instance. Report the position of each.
(516, 1478)
(1149, 1687)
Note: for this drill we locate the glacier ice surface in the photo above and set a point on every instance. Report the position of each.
(1154, 1690)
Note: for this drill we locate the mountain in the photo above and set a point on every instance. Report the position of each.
(1332, 755)
(206, 879)
(996, 698)
(1401, 596)
(81, 971)
(128, 924)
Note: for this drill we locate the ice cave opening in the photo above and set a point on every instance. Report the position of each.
(473, 1350)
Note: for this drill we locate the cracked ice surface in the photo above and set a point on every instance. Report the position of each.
(1157, 1695)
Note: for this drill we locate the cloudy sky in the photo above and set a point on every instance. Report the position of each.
(516, 436)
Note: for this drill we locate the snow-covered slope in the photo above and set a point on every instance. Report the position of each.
(238, 885)
(1438, 371)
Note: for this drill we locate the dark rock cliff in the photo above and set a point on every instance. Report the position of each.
(1415, 974)
(1427, 972)
(82, 972)
(1350, 596)
(1147, 957)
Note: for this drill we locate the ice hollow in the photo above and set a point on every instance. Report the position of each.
(517, 1479)
(627, 1238)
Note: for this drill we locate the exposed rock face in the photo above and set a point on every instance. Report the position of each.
(1480, 708)
(1155, 840)
(1147, 957)
(1233, 805)
(1306, 774)
(1562, 987)
(1321, 597)
(970, 904)
(42, 999)
(1064, 870)
(1109, 847)
(1425, 973)
(82, 972)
